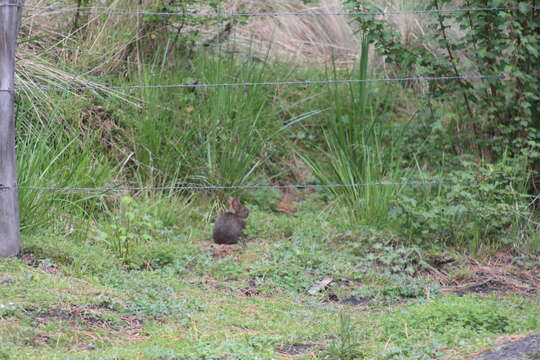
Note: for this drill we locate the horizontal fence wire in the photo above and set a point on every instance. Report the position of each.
(221, 187)
(55, 10)
(268, 83)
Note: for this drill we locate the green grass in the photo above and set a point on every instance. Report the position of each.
(73, 297)
(356, 149)
(53, 156)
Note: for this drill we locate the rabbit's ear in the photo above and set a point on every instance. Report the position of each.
(233, 204)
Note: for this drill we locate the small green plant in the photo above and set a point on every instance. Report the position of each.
(346, 345)
(396, 260)
(7, 310)
(133, 228)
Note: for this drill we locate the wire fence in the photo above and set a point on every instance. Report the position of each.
(222, 187)
(50, 10)
(271, 83)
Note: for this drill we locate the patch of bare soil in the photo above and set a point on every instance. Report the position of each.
(84, 321)
(296, 349)
(356, 301)
(527, 348)
(221, 251)
(87, 317)
(287, 202)
(36, 259)
(498, 274)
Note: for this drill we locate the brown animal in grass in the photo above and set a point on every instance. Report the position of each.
(229, 226)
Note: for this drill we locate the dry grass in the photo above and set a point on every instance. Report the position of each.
(62, 55)
(298, 38)
(315, 39)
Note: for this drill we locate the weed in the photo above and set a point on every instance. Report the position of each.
(7, 310)
(130, 230)
(346, 344)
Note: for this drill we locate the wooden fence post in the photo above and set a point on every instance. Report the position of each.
(10, 18)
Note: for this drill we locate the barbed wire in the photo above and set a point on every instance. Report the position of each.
(51, 10)
(268, 83)
(221, 187)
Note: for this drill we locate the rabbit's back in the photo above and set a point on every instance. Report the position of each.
(228, 229)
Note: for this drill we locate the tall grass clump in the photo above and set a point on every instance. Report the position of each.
(50, 155)
(216, 135)
(356, 151)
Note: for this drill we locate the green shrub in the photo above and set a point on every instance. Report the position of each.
(483, 207)
(491, 116)
(136, 237)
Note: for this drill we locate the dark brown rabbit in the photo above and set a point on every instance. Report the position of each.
(229, 226)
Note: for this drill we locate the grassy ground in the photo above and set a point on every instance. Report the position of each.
(67, 298)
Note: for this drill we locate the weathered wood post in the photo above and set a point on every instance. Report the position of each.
(10, 18)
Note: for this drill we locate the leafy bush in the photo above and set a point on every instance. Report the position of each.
(482, 206)
(492, 115)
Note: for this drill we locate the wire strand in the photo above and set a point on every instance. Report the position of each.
(51, 10)
(268, 83)
(220, 187)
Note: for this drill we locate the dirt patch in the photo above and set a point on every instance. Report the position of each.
(290, 197)
(89, 319)
(296, 349)
(356, 301)
(251, 290)
(527, 348)
(498, 274)
(37, 259)
(86, 317)
(351, 300)
(486, 287)
(221, 251)
(6, 280)
(240, 287)
(82, 321)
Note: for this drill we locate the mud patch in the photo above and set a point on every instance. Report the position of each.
(238, 287)
(296, 349)
(351, 300)
(487, 287)
(251, 290)
(89, 319)
(525, 349)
